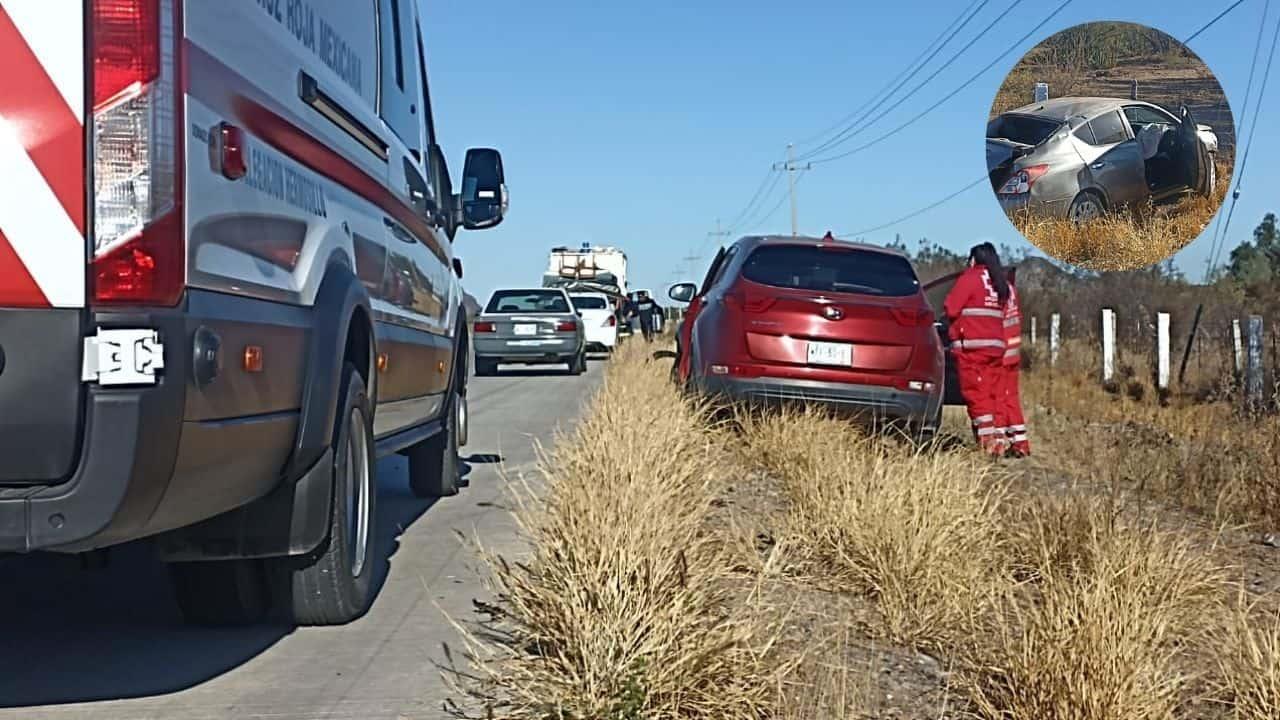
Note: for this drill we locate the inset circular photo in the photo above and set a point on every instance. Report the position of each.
(1110, 146)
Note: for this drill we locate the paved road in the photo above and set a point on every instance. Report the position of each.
(108, 643)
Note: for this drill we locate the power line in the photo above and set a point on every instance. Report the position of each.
(1212, 22)
(872, 105)
(921, 211)
(751, 203)
(1253, 128)
(949, 95)
(850, 133)
(774, 210)
(1244, 111)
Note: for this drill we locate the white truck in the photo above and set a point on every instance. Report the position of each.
(588, 269)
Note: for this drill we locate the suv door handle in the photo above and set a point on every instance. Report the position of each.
(1098, 165)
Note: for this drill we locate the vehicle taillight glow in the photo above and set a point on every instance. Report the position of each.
(486, 327)
(611, 321)
(139, 258)
(126, 48)
(1021, 181)
(566, 326)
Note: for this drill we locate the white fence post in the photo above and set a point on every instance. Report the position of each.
(1108, 344)
(1033, 329)
(1162, 351)
(1053, 339)
(1253, 368)
(1238, 344)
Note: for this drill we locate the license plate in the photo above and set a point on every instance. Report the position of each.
(825, 353)
(526, 330)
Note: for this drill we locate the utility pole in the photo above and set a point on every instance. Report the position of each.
(718, 234)
(791, 167)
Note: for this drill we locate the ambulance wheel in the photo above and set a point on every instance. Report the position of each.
(434, 470)
(333, 584)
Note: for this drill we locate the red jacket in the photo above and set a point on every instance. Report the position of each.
(1012, 328)
(975, 316)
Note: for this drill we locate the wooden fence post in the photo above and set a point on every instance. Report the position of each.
(1054, 322)
(1162, 351)
(1108, 345)
(1253, 366)
(1191, 339)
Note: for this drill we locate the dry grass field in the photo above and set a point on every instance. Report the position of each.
(791, 566)
(1130, 238)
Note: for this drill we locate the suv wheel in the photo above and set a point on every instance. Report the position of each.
(334, 583)
(434, 469)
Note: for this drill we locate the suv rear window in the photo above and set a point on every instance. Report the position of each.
(527, 301)
(1022, 129)
(589, 302)
(831, 270)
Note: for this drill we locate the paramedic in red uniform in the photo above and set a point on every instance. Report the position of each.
(975, 314)
(1009, 411)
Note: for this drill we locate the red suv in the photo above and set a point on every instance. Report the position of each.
(793, 318)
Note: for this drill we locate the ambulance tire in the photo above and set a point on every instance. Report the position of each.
(333, 584)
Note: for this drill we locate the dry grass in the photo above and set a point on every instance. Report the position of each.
(626, 609)
(1126, 239)
(1249, 663)
(1071, 588)
(1107, 629)
(1206, 456)
(915, 530)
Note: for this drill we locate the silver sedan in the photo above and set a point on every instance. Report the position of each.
(1078, 157)
(529, 327)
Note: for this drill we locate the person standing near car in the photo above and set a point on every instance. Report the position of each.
(647, 309)
(1009, 411)
(975, 310)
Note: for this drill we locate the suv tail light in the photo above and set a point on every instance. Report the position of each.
(912, 317)
(139, 244)
(566, 326)
(1021, 181)
(486, 327)
(749, 302)
(611, 321)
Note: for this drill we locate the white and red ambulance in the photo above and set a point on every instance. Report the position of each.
(226, 287)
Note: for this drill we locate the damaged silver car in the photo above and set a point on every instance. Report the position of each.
(1078, 157)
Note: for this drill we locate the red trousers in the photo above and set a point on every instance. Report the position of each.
(981, 386)
(1008, 410)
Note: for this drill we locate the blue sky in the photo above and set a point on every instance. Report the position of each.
(637, 124)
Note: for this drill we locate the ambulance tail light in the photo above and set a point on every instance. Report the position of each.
(138, 228)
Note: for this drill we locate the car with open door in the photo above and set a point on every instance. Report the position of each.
(796, 319)
(1079, 157)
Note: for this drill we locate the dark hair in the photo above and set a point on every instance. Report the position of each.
(985, 254)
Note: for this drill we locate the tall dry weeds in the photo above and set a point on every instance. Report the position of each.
(1105, 630)
(1125, 239)
(1249, 662)
(626, 608)
(918, 531)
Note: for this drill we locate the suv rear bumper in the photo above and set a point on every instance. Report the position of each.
(874, 400)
